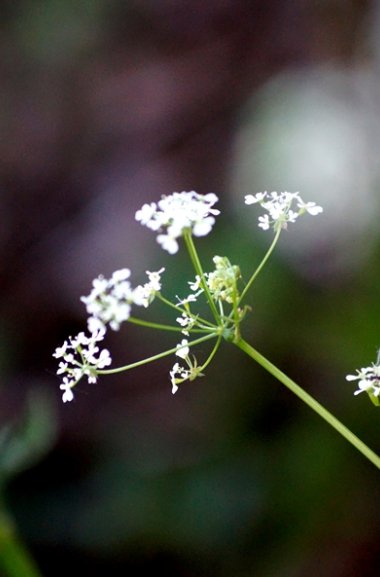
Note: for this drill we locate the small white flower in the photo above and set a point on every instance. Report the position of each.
(203, 227)
(79, 340)
(184, 320)
(252, 199)
(60, 351)
(146, 213)
(168, 243)
(120, 275)
(176, 213)
(310, 207)
(95, 325)
(66, 387)
(183, 375)
(62, 368)
(187, 322)
(196, 285)
(264, 222)
(189, 299)
(183, 349)
(155, 279)
(98, 362)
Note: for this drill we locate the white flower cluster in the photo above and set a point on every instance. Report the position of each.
(279, 207)
(109, 303)
(81, 356)
(369, 382)
(176, 213)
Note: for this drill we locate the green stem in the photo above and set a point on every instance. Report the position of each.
(213, 353)
(261, 265)
(199, 271)
(15, 560)
(310, 401)
(162, 327)
(183, 309)
(155, 357)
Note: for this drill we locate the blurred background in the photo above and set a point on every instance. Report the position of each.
(105, 105)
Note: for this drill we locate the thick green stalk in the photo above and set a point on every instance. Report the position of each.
(310, 401)
(15, 560)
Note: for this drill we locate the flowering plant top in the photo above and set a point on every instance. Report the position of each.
(114, 301)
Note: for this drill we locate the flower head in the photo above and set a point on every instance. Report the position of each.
(110, 301)
(177, 213)
(280, 208)
(369, 382)
(222, 281)
(81, 356)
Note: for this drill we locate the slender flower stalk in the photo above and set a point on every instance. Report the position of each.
(261, 265)
(162, 327)
(157, 357)
(181, 308)
(310, 401)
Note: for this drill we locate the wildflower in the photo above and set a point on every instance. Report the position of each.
(279, 207)
(110, 301)
(177, 213)
(81, 356)
(369, 382)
